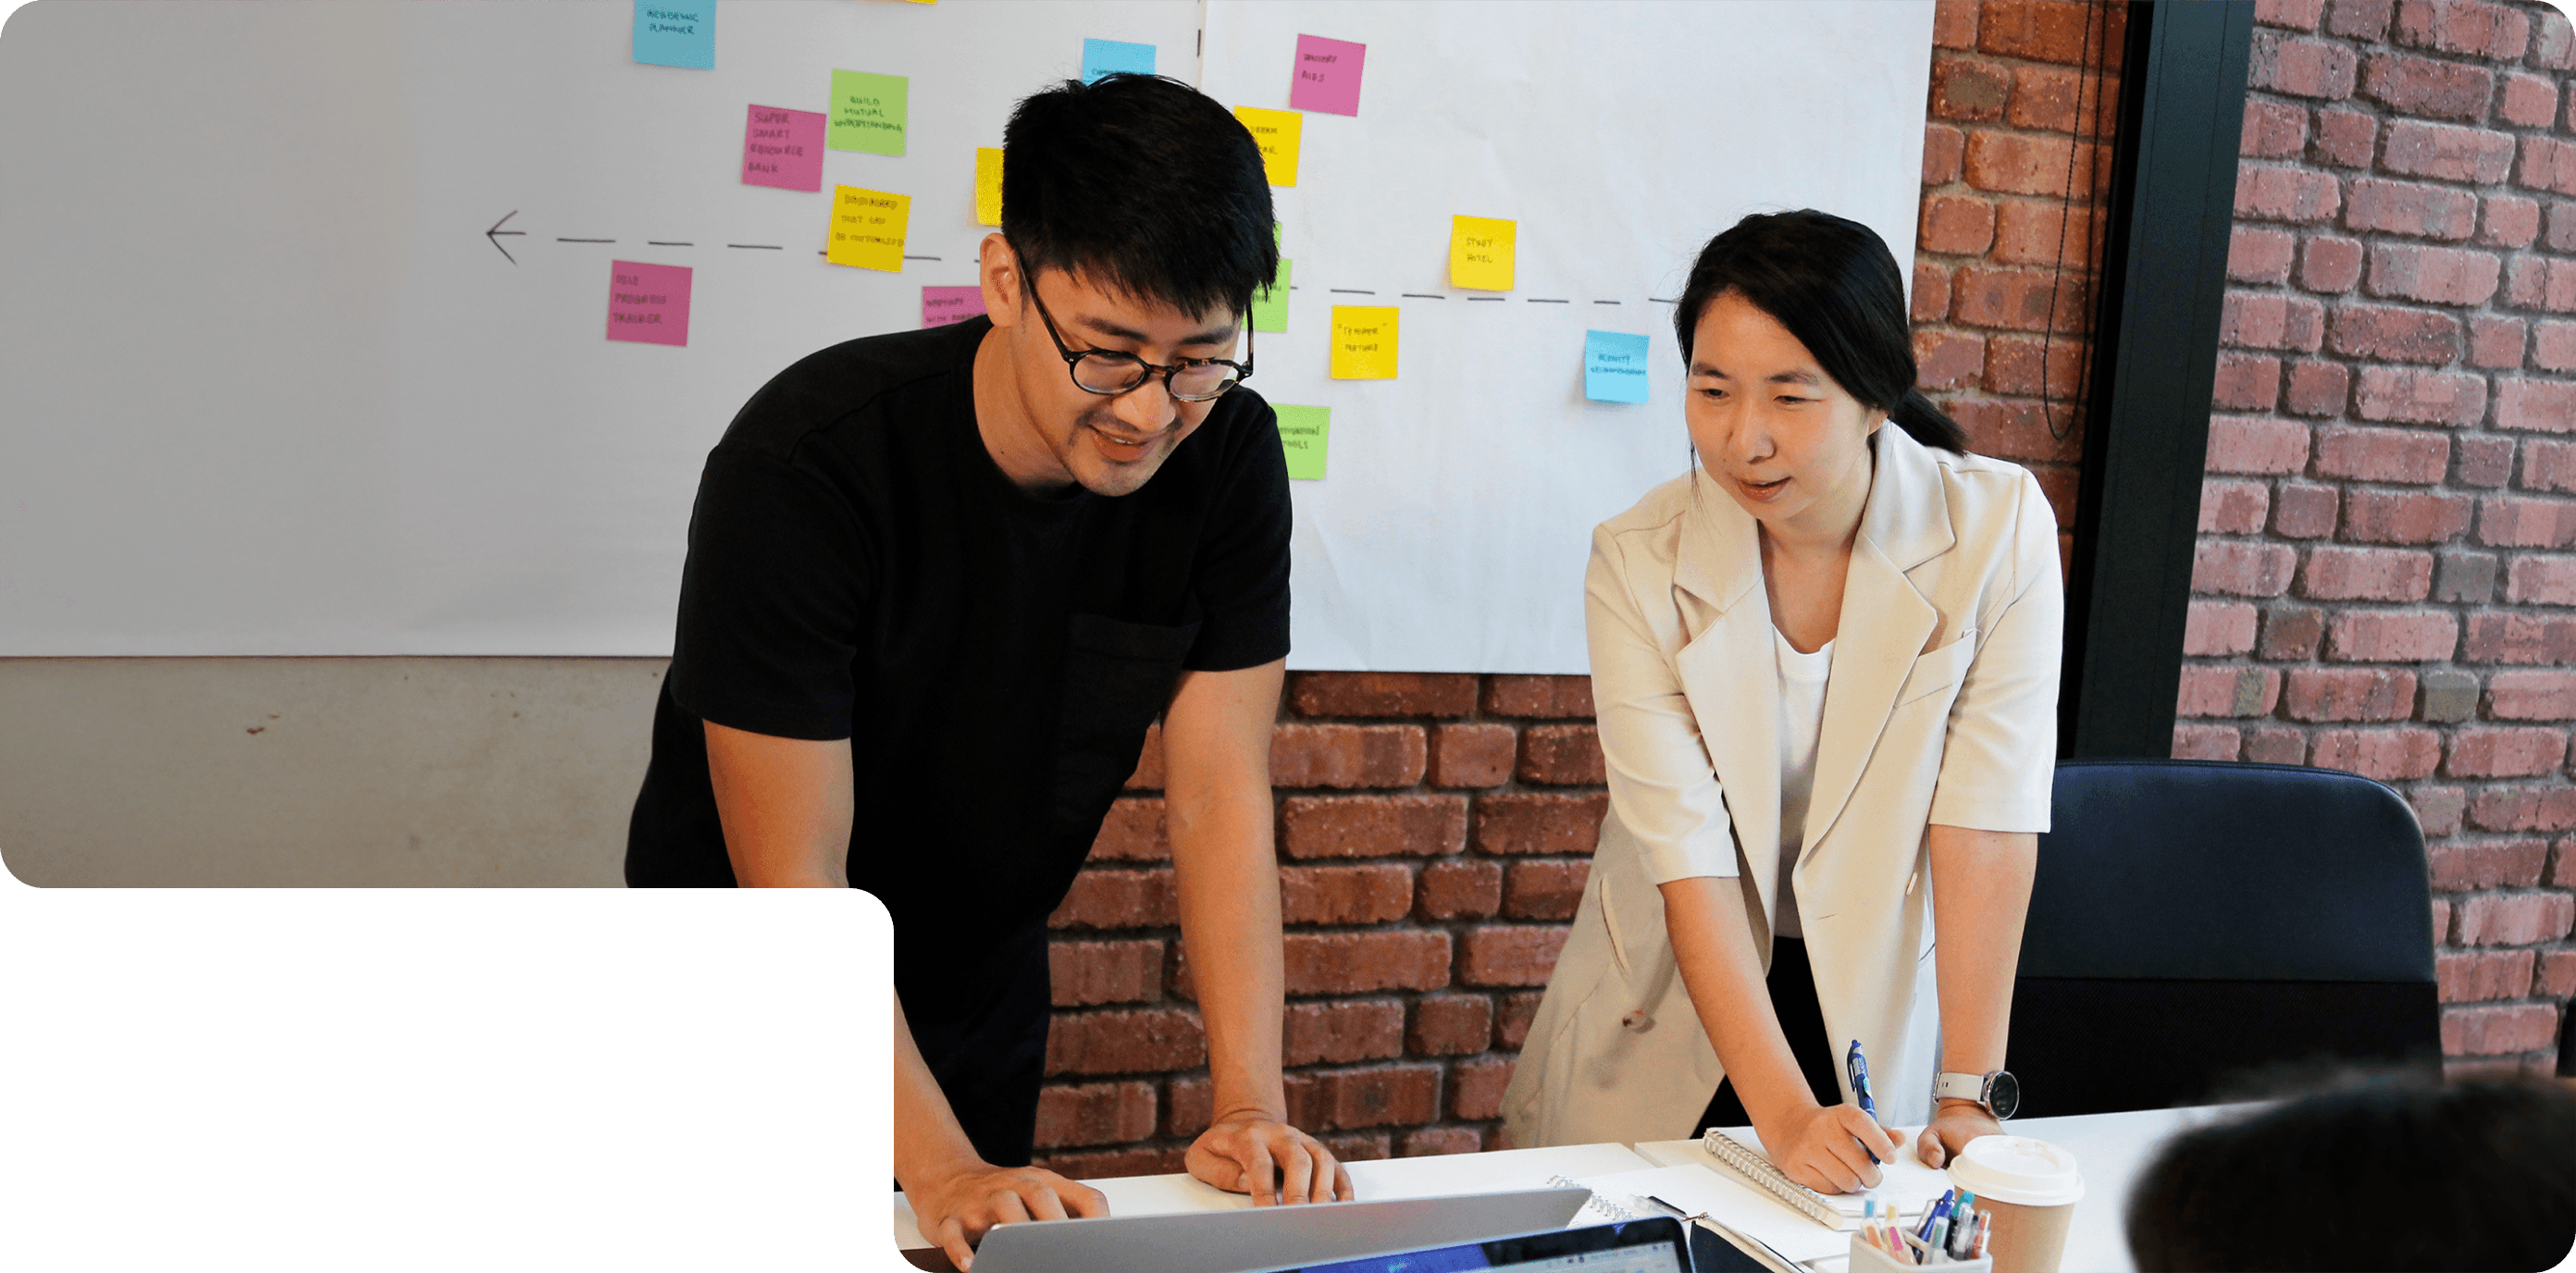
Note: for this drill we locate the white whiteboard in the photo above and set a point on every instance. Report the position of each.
(272, 391)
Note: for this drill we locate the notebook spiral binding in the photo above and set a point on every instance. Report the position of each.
(1758, 1171)
(1616, 1214)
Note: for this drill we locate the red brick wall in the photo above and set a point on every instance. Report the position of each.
(2015, 155)
(1434, 833)
(1435, 830)
(2384, 568)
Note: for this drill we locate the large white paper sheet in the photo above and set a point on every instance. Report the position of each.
(1451, 529)
(273, 391)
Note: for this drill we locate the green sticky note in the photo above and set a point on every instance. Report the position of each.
(1270, 304)
(1302, 431)
(868, 112)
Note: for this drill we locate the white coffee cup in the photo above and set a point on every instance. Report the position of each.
(2031, 1187)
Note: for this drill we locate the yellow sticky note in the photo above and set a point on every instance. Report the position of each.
(988, 185)
(1276, 132)
(1364, 342)
(868, 228)
(1480, 253)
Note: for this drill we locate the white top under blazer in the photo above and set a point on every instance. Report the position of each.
(1941, 707)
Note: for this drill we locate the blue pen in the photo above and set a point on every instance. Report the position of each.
(1858, 1066)
(1932, 1215)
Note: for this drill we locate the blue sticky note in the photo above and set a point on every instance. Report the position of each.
(1101, 57)
(1614, 367)
(676, 33)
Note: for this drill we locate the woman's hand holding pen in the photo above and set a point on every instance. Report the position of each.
(1953, 1125)
(1827, 1148)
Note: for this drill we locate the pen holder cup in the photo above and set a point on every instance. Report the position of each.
(1869, 1259)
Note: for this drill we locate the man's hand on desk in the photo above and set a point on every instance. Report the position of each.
(957, 1209)
(1953, 1125)
(1245, 1151)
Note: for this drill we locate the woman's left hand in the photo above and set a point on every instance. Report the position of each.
(1953, 1125)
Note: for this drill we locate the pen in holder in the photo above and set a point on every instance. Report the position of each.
(1947, 1224)
(1867, 1257)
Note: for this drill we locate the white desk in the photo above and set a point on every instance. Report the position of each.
(2111, 1149)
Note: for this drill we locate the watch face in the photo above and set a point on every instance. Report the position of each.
(2003, 1093)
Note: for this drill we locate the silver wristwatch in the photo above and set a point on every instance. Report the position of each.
(1999, 1091)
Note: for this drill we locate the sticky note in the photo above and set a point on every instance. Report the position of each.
(648, 304)
(1614, 367)
(1364, 342)
(676, 33)
(1105, 57)
(1276, 132)
(1327, 76)
(783, 148)
(1270, 304)
(988, 185)
(867, 228)
(1480, 253)
(869, 111)
(941, 306)
(1302, 431)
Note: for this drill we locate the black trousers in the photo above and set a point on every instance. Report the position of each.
(1802, 1023)
(984, 1037)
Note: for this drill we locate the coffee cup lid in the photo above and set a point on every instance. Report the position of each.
(2018, 1170)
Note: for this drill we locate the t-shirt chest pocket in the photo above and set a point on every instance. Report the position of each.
(1118, 676)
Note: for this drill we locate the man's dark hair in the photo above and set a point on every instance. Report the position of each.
(2389, 1173)
(1834, 285)
(1143, 184)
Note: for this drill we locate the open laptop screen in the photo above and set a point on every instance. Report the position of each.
(1641, 1246)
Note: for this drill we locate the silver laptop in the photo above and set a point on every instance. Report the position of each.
(1256, 1238)
(1657, 1244)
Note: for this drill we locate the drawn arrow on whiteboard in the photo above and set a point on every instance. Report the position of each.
(495, 233)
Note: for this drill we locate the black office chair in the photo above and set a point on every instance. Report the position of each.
(2194, 922)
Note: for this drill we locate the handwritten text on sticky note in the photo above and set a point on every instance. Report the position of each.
(1364, 338)
(869, 112)
(783, 148)
(676, 33)
(988, 185)
(1614, 367)
(1302, 433)
(1270, 304)
(1328, 76)
(1108, 57)
(1480, 253)
(867, 228)
(941, 306)
(1276, 132)
(648, 303)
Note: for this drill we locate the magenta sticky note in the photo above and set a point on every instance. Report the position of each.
(783, 148)
(648, 303)
(1328, 76)
(941, 306)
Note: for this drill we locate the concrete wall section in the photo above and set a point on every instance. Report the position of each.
(299, 772)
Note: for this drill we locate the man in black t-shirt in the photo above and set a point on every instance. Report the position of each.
(940, 583)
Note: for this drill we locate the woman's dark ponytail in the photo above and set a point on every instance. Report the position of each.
(1928, 424)
(1834, 285)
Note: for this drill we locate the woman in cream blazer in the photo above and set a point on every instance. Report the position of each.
(1933, 575)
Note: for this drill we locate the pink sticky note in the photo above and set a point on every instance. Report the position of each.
(783, 148)
(941, 306)
(1327, 76)
(648, 303)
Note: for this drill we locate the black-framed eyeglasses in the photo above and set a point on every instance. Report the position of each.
(1108, 372)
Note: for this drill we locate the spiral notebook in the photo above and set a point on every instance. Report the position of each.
(1905, 1184)
(1742, 1215)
